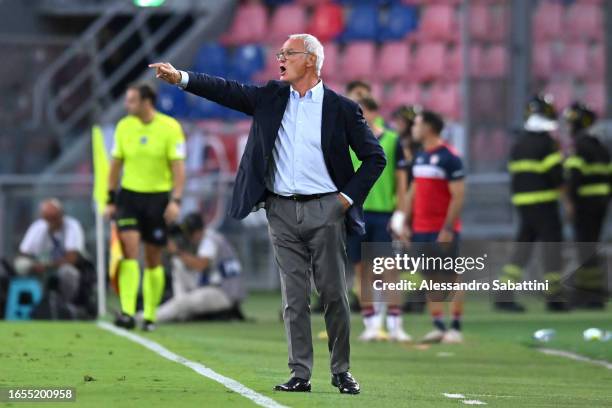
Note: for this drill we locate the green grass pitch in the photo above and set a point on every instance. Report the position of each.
(498, 364)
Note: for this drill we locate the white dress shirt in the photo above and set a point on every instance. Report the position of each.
(299, 166)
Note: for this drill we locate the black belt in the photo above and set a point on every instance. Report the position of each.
(302, 197)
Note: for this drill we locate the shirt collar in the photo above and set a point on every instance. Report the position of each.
(315, 93)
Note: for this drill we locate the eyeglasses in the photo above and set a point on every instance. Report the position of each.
(283, 55)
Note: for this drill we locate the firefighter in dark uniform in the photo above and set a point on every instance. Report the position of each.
(588, 173)
(536, 169)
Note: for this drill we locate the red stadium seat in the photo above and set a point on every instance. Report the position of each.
(249, 25)
(548, 21)
(584, 21)
(401, 94)
(455, 63)
(595, 96)
(287, 19)
(430, 61)
(499, 22)
(330, 62)
(562, 91)
(358, 60)
(312, 2)
(439, 22)
(597, 62)
(575, 61)
(542, 60)
(327, 21)
(444, 98)
(496, 62)
(271, 70)
(479, 21)
(393, 61)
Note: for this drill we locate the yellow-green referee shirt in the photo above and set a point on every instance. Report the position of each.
(146, 150)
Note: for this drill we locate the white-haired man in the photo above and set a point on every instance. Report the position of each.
(297, 165)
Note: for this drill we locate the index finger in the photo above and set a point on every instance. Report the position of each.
(156, 65)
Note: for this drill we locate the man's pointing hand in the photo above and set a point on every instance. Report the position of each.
(165, 71)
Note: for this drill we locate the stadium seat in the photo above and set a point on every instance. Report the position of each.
(246, 61)
(496, 62)
(23, 295)
(562, 92)
(393, 61)
(200, 108)
(595, 96)
(548, 21)
(327, 21)
(430, 61)
(312, 2)
(287, 19)
(362, 23)
(597, 62)
(250, 25)
(172, 101)
(584, 21)
(479, 21)
(542, 60)
(358, 60)
(444, 98)
(212, 59)
(454, 63)
(277, 2)
(439, 22)
(397, 22)
(330, 62)
(270, 70)
(499, 22)
(575, 60)
(401, 94)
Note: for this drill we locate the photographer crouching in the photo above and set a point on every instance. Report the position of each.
(206, 274)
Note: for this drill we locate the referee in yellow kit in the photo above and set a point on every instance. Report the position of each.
(150, 148)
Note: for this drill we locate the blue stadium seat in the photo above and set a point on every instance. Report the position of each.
(362, 23)
(246, 61)
(23, 295)
(212, 59)
(277, 2)
(172, 101)
(399, 21)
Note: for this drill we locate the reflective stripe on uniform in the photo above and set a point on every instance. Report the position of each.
(535, 166)
(124, 222)
(535, 197)
(598, 189)
(578, 163)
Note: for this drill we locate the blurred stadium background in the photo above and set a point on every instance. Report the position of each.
(67, 64)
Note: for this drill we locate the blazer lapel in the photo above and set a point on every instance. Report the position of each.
(278, 110)
(328, 121)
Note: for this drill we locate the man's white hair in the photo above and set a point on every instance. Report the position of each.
(313, 46)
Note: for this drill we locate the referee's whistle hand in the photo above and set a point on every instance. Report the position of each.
(172, 212)
(166, 72)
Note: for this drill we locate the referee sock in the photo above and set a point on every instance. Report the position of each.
(129, 275)
(153, 283)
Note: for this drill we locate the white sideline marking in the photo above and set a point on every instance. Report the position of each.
(473, 402)
(462, 397)
(197, 367)
(453, 395)
(576, 357)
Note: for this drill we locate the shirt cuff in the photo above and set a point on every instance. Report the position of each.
(347, 198)
(184, 80)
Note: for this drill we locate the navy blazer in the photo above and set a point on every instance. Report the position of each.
(342, 126)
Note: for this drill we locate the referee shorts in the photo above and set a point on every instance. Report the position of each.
(143, 212)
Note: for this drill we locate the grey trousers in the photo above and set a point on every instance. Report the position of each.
(310, 237)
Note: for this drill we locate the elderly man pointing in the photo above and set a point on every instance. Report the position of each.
(297, 165)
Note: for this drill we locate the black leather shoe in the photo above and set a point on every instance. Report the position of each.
(345, 383)
(294, 385)
(125, 321)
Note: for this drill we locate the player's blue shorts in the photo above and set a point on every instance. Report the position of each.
(425, 244)
(377, 230)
